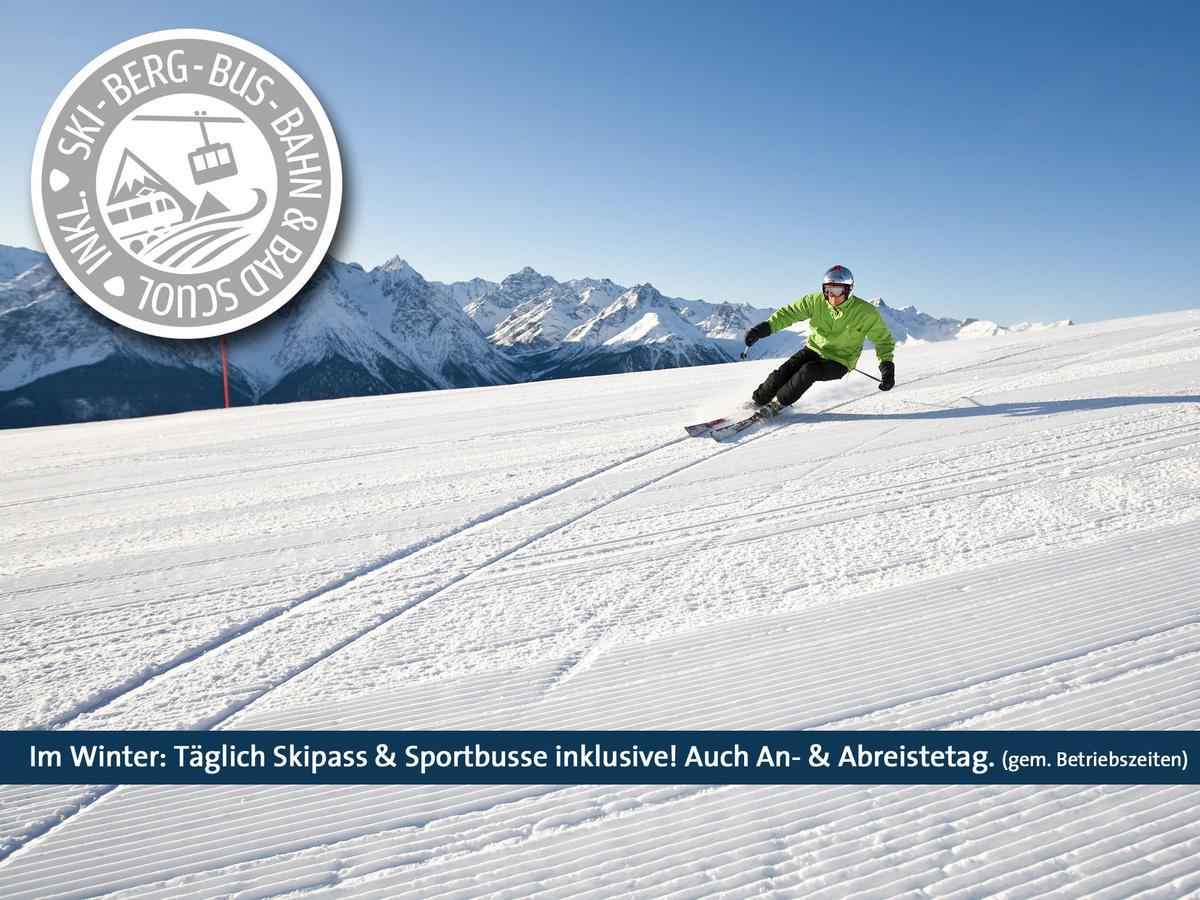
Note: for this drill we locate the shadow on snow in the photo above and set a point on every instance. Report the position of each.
(1027, 408)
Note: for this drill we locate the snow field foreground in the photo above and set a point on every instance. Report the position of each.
(1007, 540)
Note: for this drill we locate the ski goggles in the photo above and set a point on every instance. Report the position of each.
(835, 290)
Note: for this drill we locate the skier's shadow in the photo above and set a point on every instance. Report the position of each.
(1023, 409)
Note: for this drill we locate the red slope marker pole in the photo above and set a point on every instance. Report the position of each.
(224, 371)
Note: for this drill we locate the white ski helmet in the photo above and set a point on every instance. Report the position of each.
(839, 275)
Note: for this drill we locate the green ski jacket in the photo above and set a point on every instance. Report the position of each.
(838, 334)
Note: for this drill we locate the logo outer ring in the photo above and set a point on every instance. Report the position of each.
(287, 292)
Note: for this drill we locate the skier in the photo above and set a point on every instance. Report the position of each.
(840, 322)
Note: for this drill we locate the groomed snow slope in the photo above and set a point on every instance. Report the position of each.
(1007, 540)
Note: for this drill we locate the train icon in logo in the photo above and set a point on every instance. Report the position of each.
(186, 183)
(140, 209)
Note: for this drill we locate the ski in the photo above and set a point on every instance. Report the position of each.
(703, 428)
(726, 432)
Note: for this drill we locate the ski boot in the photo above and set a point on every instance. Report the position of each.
(771, 409)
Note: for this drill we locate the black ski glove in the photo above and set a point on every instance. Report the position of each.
(759, 331)
(888, 371)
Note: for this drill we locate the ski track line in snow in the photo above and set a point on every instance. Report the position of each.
(509, 551)
(948, 486)
(183, 564)
(565, 818)
(183, 479)
(252, 554)
(195, 563)
(35, 834)
(900, 619)
(1084, 405)
(253, 470)
(384, 451)
(1017, 381)
(859, 448)
(1161, 653)
(584, 658)
(377, 565)
(1158, 665)
(269, 551)
(107, 697)
(1080, 429)
(1071, 657)
(1083, 562)
(568, 815)
(110, 696)
(1168, 659)
(954, 486)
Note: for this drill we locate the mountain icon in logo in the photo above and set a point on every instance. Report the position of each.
(143, 205)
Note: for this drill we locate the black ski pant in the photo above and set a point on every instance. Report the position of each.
(797, 375)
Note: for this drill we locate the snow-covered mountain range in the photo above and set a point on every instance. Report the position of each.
(353, 332)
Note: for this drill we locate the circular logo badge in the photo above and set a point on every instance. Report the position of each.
(186, 183)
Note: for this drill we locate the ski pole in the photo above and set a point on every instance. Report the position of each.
(859, 371)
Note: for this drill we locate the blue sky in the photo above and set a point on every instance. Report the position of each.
(1012, 161)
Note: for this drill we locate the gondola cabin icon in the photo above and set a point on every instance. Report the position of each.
(210, 161)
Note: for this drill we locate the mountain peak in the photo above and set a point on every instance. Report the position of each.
(526, 277)
(396, 264)
(644, 291)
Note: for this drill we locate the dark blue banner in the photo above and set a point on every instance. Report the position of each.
(597, 757)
